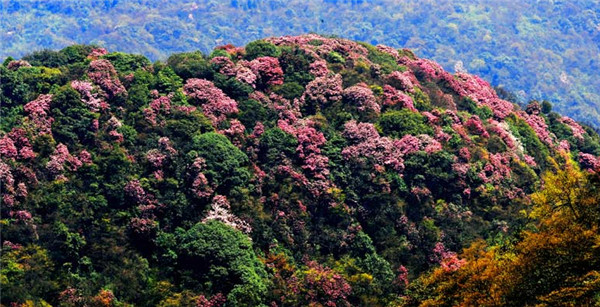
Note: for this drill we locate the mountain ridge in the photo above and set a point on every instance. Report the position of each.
(296, 170)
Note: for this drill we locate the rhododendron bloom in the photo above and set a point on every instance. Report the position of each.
(8, 150)
(134, 190)
(61, 158)
(104, 75)
(539, 126)
(267, 70)
(319, 68)
(87, 96)
(38, 110)
(589, 162)
(369, 145)
(215, 104)
(401, 81)
(392, 97)
(200, 185)
(476, 126)
(224, 65)
(577, 130)
(323, 90)
(362, 96)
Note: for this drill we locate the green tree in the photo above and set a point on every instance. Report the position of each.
(216, 258)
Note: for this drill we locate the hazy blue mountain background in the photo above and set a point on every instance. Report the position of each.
(538, 49)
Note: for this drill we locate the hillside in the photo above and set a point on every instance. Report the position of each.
(294, 171)
(544, 50)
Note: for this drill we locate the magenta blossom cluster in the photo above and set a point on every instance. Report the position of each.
(576, 128)
(589, 162)
(60, 159)
(215, 104)
(38, 112)
(158, 106)
(267, 70)
(16, 145)
(89, 97)
(362, 97)
(475, 125)
(105, 76)
(404, 81)
(367, 145)
(324, 90)
(392, 97)
(448, 260)
(200, 185)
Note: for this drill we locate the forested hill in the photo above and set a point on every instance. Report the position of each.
(294, 171)
(537, 49)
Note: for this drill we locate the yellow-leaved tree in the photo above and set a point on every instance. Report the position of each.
(556, 262)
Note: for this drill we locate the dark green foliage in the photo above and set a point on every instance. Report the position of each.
(49, 58)
(276, 145)
(190, 65)
(386, 61)
(232, 87)
(289, 90)
(72, 118)
(216, 258)
(295, 65)
(252, 111)
(226, 164)
(261, 48)
(167, 81)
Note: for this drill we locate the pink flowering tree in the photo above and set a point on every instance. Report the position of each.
(62, 160)
(38, 112)
(88, 96)
(267, 70)
(362, 97)
(323, 90)
(105, 76)
(392, 97)
(215, 104)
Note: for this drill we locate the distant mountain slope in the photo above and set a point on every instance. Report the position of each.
(538, 49)
(294, 171)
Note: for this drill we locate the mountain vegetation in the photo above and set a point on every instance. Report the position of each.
(294, 171)
(543, 50)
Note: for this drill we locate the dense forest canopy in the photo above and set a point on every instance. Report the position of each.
(538, 49)
(294, 171)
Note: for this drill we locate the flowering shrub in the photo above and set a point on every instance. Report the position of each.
(104, 75)
(215, 104)
(61, 158)
(324, 90)
(87, 96)
(267, 70)
(15, 65)
(589, 162)
(38, 112)
(476, 126)
(576, 129)
(362, 96)
(402, 81)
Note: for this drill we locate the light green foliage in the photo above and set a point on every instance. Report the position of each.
(402, 122)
